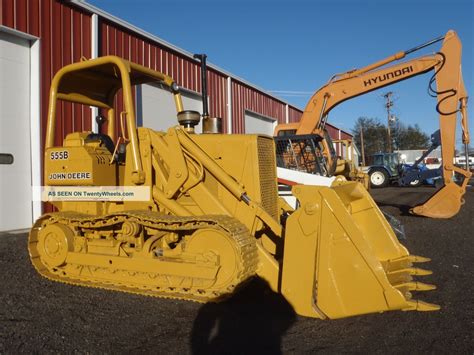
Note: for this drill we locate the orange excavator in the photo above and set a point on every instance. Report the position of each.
(451, 96)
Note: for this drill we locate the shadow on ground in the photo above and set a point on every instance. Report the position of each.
(252, 321)
(402, 198)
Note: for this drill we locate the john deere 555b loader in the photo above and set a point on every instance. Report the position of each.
(213, 219)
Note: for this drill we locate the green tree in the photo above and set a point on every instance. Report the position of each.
(411, 137)
(375, 135)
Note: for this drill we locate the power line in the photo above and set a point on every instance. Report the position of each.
(291, 93)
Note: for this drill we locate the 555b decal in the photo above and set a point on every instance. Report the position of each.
(59, 155)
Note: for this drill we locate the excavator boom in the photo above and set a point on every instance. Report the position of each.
(450, 93)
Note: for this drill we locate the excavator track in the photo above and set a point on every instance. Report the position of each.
(65, 257)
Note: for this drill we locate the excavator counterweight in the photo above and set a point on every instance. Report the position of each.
(212, 219)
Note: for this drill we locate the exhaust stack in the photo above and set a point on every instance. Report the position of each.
(209, 124)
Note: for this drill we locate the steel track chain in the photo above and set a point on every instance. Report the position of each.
(244, 245)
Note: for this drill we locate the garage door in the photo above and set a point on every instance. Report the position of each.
(255, 123)
(356, 157)
(156, 109)
(15, 156)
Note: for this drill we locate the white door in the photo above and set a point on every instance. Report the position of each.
(257, 124)
(15, 155)
(156, 108)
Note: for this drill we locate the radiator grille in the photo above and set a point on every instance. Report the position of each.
(267, 170)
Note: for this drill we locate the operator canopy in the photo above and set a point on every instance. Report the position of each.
(95, 82)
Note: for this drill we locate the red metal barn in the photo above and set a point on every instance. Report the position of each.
(38, 37)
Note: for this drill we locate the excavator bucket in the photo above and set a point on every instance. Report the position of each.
(445, 203)
(341, 257)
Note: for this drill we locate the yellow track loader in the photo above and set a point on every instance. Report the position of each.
(212, 219)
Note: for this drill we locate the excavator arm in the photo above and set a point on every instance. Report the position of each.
(450, 92)
(452, 99)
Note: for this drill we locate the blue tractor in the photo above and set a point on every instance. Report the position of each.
(383, 169)
(386, 168)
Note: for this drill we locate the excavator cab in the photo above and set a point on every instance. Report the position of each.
(324, 148)
(212, 219)
(301, 153)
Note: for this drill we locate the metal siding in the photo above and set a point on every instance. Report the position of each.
(20, 18)
(8, 13)
(294, 115)
(76, 124)
(67, 52)
(86, 51)
(345, 135)
(182, 69)
(146, 54)
(246, 98)
(34, 20)
(235, 103)
(133, 49)
(139, 50)
(333, 131)
(198, 79)
(153, 58)
(56, 64)
(217, 91)
(165, 63)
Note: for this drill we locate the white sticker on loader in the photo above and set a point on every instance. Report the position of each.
(59, 155)
(71, 176)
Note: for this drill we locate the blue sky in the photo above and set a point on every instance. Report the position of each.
(297, 45)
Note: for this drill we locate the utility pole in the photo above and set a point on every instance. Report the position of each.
(362, 151)
(388, 105)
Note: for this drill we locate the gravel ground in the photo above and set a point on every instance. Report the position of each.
(42, 316)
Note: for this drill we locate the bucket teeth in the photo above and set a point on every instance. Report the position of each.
(415, 305)
(404, 262)
(410, 271)
(411, 259)
(417, 259)
(414, 286)
(400, 274)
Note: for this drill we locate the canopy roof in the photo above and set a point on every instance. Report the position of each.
(95, 82)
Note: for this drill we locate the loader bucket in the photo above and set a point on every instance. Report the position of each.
(445, 203)
(341, 257)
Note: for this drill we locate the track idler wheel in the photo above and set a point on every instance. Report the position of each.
(55, 241)
(215, 246)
